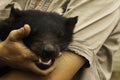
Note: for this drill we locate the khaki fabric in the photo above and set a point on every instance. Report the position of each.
(96, 35)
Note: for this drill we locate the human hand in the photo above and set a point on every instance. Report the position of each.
(66, 67)
(14, 53)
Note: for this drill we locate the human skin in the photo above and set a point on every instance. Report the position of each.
(14, 53)
(66, 66)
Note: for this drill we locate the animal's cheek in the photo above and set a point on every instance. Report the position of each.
(37, 49)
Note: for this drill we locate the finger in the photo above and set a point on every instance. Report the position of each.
(18, 34)
(37, 70)
(29, 55)
(49, 70)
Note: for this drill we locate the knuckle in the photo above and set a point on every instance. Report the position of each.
(12, 35)
(26, 55)
(13, 31)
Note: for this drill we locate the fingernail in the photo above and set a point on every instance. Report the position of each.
(26, 25)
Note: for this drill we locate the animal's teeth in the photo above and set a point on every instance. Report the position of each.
(45, 63)
(40, 60)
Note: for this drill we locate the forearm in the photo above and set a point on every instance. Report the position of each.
(67, 65)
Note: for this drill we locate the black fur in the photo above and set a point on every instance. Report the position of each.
(50, 33)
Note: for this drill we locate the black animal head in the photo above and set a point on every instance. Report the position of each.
(50, 33)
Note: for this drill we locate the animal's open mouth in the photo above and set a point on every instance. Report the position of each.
(44, 63)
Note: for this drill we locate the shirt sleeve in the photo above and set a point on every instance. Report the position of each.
(96, 23)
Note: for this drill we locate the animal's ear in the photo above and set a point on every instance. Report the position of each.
(71, 22)
(14, 13)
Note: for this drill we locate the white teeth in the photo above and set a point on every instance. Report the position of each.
(40, 60)
(45, 63)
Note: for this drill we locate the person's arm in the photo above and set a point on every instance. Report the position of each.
(96, 23)
(15, 54)
(67, 65)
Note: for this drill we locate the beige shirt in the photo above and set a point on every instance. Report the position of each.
(96, 35)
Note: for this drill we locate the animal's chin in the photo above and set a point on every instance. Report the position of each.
(44, 63)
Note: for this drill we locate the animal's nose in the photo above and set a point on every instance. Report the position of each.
(49, 51)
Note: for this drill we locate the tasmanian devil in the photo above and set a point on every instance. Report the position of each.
(50, 33)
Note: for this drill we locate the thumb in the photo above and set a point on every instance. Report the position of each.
(18, 34)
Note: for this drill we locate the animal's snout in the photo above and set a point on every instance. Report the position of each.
(49, 51)
(47, 56)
